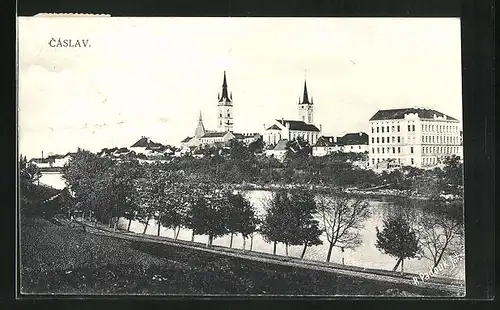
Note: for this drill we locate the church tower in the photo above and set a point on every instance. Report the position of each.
(200, 129)
(306, 107)
(225, 109)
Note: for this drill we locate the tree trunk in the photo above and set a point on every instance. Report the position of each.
(95, 222)
(304, 250)
(244, 242)
(159, 226)
(274, 248)
(128, 226)
(110, 222)
(329, 255)
(145, 226)
(115, 226)
(286, 249)
(251, 242)
(402, 264)
(231, 241)
(178, 231)
(209, 241)
(441, 255)
(397, 265)
(192, 236)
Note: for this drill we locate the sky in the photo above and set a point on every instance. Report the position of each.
(152, 76)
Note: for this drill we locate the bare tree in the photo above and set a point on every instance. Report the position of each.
(440, 234)
(342, 218)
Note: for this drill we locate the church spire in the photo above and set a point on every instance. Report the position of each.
(200, 129)
(305, 97)
(224, 95)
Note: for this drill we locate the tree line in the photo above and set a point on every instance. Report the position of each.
(238, 163)
(106, 190)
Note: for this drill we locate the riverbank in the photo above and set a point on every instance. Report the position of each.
(64, 260)
(379, 191)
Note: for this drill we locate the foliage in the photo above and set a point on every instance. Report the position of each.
(303, 227)
(208, 212)
(275, 222)
(241, 217)
(397, 238)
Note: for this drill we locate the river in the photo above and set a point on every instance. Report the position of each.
(365, 255)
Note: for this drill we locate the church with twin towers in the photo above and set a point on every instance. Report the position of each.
(280, 129)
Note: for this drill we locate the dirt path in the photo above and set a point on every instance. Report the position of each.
(445, 284)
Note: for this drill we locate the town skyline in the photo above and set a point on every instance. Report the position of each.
(106, 104)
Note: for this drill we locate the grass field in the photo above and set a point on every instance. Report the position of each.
(62, 260)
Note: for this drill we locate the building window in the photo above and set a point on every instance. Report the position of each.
(387, 128)
(409, 128)
(220, 115)
(393, 139)
(399, 150)
(392, 128)
(383, 150)
(372, 130)
(373, 150)
(394, 150)
(382, 139)
(382, 128)
(399, 129)
(373, 140)
(412, 127)
(399, 139)
(378, 140)
(412, 162)
(378, 150)
(388, 150)
(411, 149)
(377, 129)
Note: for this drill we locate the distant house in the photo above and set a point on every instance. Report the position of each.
(59, 161)
(216, 137)
(247, 138)
(354, 142)
(148, 147)
(42, 162)
(326, 145)
(350, 142)
(279, 150)
(105, 152)
(121, 152)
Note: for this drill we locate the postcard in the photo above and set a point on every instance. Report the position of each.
(240, 156)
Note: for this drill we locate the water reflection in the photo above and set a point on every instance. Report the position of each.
(366, 255)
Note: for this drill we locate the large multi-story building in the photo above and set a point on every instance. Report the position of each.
(412, 137)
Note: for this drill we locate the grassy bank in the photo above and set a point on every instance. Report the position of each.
(62, 260)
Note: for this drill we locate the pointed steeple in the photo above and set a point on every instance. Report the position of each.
(305, 96)
(200, 129)
(224, 95)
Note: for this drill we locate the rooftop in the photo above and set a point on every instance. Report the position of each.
(356, 138)
(400, 114)
(298, 125)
